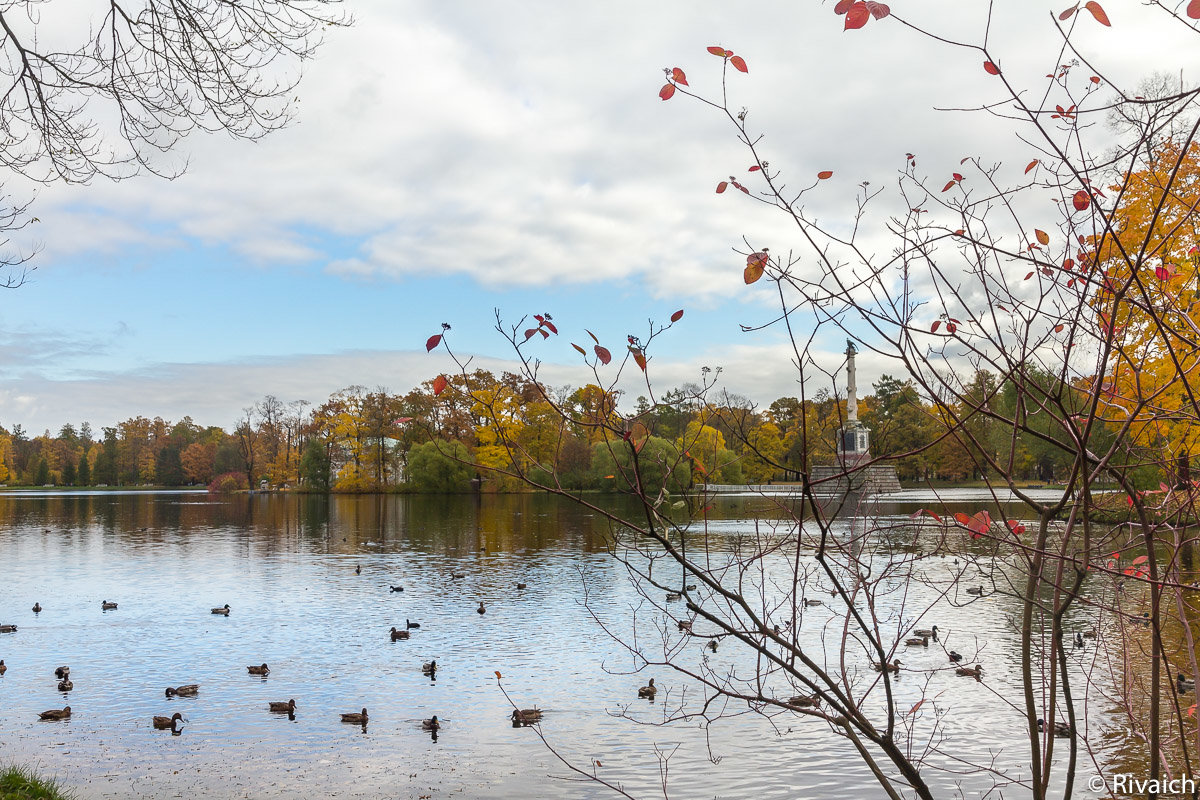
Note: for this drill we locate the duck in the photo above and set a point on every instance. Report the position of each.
(65, 685)
(1184, 684)
(357, 719)
(429, 667)
(967, 672)
(458, 575)
(814, 602)
(804, 701)
(3, 668)
(526, 716)
(1078, 639)
(673, 596)
(481, 608)
(397, 588)
(262, 669)
(431, 724)
(62, 672)
(685, 625)
(224, 610)
(399, 634)
(163, 723)
(522, 585)
(8, 628)
(712, 645)
(954, 657)
(921, 641)
(975, 590)
(892, 667)
(648, 690)
(358, 569)
(283, 708)
(107, 605)
(190, 690)
(932, 633)
(1062, 729)
(37, 608)
(409, 624)
(56, 713)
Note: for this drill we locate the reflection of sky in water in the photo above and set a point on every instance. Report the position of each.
(286, 566)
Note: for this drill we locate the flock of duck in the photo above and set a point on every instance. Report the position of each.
(520, 716)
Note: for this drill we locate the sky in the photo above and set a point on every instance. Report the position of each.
(452, 160)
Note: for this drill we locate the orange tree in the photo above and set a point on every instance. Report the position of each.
(992, 301)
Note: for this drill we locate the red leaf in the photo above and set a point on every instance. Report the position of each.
(722, 186)
(1068, 264)
(755, 168)
(667, 91)
(1097, 12)
(717, 51)
(403, 420)
(857, 16)
(678, 76)
(439, 385)
(589, 333)
(946, 188)
(739, 64)
(878, 10)
(1067, 14)
(951, 327)
(550, 327)
(1030, 166)
(530, 332)
(603, 354)
(498, 675)
(1028, 276)
(918, 704)
(936, 324)
(990, 68)
(678, 315)
(1162, 273)
(432, 342)
(1140, 560)
(842, 7)
(1059, 328)
(825, 174)
(979, 524)
(962, 519)
(1193, 11)
(1096, 79)
(640, 359)
(582, 352)
(960, 232)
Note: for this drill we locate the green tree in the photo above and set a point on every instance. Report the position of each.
(440, 466)
(314, 466)
(83, 473)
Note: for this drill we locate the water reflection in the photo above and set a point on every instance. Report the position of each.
(349, 599)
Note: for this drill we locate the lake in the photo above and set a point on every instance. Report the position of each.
(308, 582)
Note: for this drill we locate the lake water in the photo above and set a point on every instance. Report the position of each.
(286, 565)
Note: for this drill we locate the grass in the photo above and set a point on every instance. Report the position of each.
(20, 783)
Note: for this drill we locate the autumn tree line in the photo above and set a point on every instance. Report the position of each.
(488, 429)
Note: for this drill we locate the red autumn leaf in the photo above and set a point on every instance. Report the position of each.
(1193, 11)
(979, 524)
(498, 675)
(957, 176)
(1097, 12)
(857, 16)
(1096, 78)
(678, 76)
(548, 325)
(961, 518)
(717, 51)
(936, 324)
(1140, 560)
(589, 333)
(825, 174)
(678, 315)
(1129, 501)
(951, 327)
(1067, 14)
(842, 7)
(1191, 712)
(1042, 237)
(739, 64)
(946, 188)
(990, 68)
(530, 332)
(1030, 166)
(432, 342)
(960, 232)
(1028, 276)
(439, 385)
(755, 168)
(667, 91)
(582, 352)
(878, 10)
(603, 354)
(1059, 328)
(1162, 273)
(403, 420)
(722, 186)
(1068, 264)
(918, 704)
(640, 359)
(1016, 527)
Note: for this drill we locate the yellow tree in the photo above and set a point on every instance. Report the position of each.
(1147, 305)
